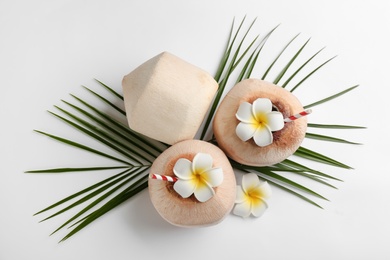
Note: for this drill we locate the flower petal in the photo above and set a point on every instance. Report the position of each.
(242, 209)
(203, 192)
(250, 181)
(202, 162)
(214, 176)
(263, 136)
(259, 207)
(261, 105)
(183, 169)
(265, 190)
(275, 120)
(245, 131)
(185, 188)
(244, 113)
(240, 195)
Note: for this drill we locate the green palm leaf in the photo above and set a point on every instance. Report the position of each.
(311, 73)
(132, 154)
(113, 186)
(83, 147)
(60, 170)
(328, 138)
(277, 58)
(330, 97)
(81, 192)
(287, 66)
(334, 126)
(228, 67)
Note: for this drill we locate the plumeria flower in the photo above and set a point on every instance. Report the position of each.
(258, 121)
(252, 196)
(197, 177)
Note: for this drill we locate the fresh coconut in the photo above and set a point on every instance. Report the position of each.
(190, 212)
(166, 98)
(285, 141)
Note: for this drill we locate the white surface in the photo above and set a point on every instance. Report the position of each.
(49, 48)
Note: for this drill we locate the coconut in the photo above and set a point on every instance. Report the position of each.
(189, 212)
(166, 98)
(285, 141)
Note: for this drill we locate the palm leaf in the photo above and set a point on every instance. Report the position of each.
(247, 70)
(229, 68)
(277, 58)
(314, 156)
(97, 134)
(106, 101)
(126, 174)
(293, 75)
(112, 91)
(295, 165)
(287, 66)
(330, 97)
(334, 126)
(122, 197)
(86, 169)
(135, 153)
(276, 177)
(111, 136)
(311, 73)
(125, 132)
(281, 186)
(75, 195)
(83, 147)
(328, 138)
(113, 186)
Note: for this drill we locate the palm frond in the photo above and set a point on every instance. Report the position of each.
(84, 147)
(110, 189)
(277, 58)
(128, 193)
(85, 169)
(228, 68)
(311, 73)
(120, 110)
(314, 156)
(330, 97)
(287, 66)
(328, 138)
(135, 154)
(132, 154)
(293, 75)
(112, 91)
(303, 168)
(334, 126)
(88, 189)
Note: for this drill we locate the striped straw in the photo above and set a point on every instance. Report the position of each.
(163, 177)
(296, 116)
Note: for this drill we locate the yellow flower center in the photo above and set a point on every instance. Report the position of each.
(199, 179)
(253, 196)
(260, 120)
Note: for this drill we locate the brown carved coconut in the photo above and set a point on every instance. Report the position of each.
(190, 212)
(285, 141)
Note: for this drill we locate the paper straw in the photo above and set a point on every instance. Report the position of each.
(296, 116)
(163, 178)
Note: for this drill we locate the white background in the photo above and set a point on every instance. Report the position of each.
(49, 48)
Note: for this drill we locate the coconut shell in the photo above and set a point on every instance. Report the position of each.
(285, 141)
(166, 98)
(189, 212)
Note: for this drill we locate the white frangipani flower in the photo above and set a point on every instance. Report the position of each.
(197, 177)
(251, 196)
(258, 121)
